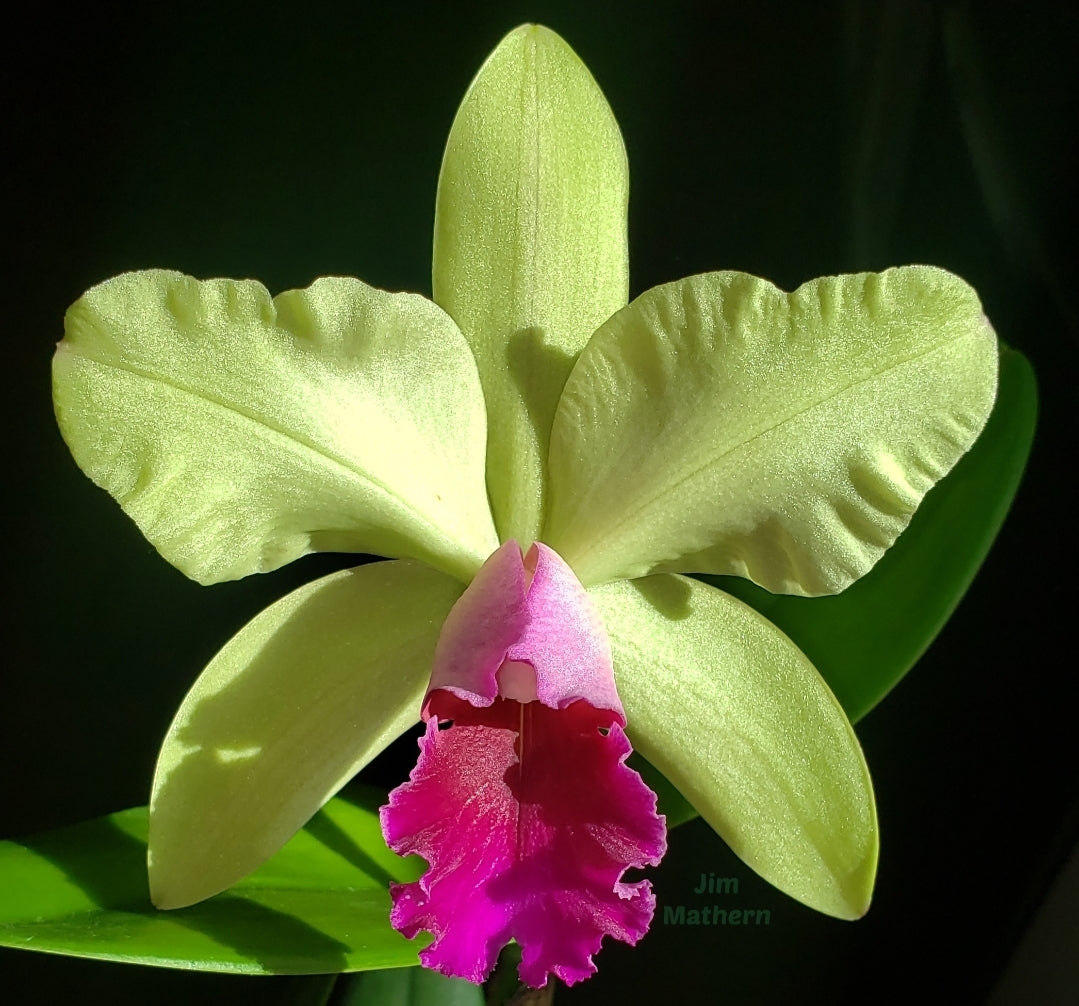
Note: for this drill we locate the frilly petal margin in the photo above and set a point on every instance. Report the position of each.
(735, 716)
(534, 856)
(295, 704)
(521, 802)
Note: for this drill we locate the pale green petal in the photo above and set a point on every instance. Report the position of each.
(729, 710)
(293, 706)
(241, 432)
(530, 251)
(719, 425)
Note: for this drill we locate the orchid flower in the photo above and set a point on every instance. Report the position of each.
(541, 462)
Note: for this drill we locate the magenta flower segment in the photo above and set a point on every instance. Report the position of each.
(523, 807)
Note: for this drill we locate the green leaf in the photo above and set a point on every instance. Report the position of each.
(865, 639)
(408, 987)
(530, 251)
(733, 714)
(241, 432)
(320, 905)
(296, 703)
(719, 425)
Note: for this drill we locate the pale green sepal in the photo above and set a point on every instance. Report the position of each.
(530, 247)
(240, 431)
(732, 713)
(720, 425)
(295, 704)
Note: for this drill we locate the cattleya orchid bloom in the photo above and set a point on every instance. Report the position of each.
(541, 461)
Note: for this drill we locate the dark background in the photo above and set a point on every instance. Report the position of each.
(784, 139)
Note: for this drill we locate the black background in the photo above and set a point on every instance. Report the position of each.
(785, 139)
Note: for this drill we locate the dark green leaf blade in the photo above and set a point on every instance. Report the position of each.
(321, 905)
(408, 987)
(865, 639)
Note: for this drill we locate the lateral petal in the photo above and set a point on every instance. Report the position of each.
(295, 704)
(719, 425)
(729, 710)
(241, 432)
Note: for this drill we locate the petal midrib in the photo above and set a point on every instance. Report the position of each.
(375, 485)
(611, 530)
